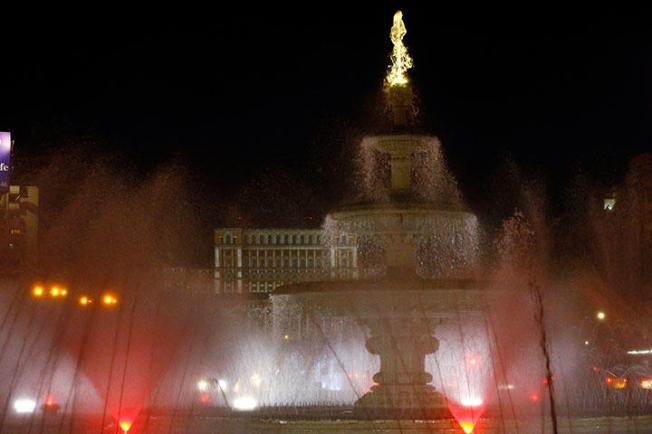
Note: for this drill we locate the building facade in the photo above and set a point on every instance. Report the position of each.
(639, 184)
(260, 260)
(19, 209)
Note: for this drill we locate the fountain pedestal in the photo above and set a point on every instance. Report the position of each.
(402, 389)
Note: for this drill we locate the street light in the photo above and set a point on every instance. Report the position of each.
(57, 291)
(601, 316)
(109, 299)
(38, 291)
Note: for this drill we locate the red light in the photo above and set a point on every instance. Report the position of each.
(49, 402)
(609, 380)
(473, 360)
(534, 397)
(204, 397)
(125, 425)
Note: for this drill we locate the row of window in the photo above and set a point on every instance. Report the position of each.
(286, 259)
(294, 239)
(281, 239)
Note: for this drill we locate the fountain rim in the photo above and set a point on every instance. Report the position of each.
(397, 207)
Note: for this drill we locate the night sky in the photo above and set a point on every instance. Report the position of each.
(236, 97)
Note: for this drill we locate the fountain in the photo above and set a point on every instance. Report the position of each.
(399, 307)
(411, 342)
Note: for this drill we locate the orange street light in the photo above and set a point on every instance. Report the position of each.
(85, 301)
(109, 300)
(38, 291)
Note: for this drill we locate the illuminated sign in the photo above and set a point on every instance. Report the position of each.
(5, 157)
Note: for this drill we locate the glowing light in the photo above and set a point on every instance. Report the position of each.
(38, 291)
(24, 405)
(223, 385)
(109, 300)
(534, 397)
(50, 404)
(85, 301)
(467, 426)
(506, 387)
(639, 352)
(55, 291)
(646, 383)
(586, 342)
(401, 60)
(256, 380)
(125, 424)
(473, 360)
(202, 385)
(471, 402)
(609, 203)
(617, 382)
(64, 292)
(286, 337)
(601, 316)
(244, 403)
(204, 397)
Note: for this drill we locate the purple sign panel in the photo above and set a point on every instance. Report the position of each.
(5, 155)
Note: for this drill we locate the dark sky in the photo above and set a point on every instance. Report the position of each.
(231, 94)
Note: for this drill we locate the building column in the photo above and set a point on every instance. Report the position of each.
(238, 253)
(218, 271)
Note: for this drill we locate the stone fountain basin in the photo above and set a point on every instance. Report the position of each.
(401, 313)
(405, 217)
(399, 296)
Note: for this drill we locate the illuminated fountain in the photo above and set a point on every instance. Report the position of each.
(410, 293)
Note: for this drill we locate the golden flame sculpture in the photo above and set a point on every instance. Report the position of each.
(401, 60)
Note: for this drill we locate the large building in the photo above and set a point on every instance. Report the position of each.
(259, 260)
(639, 183)
(19, 209)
